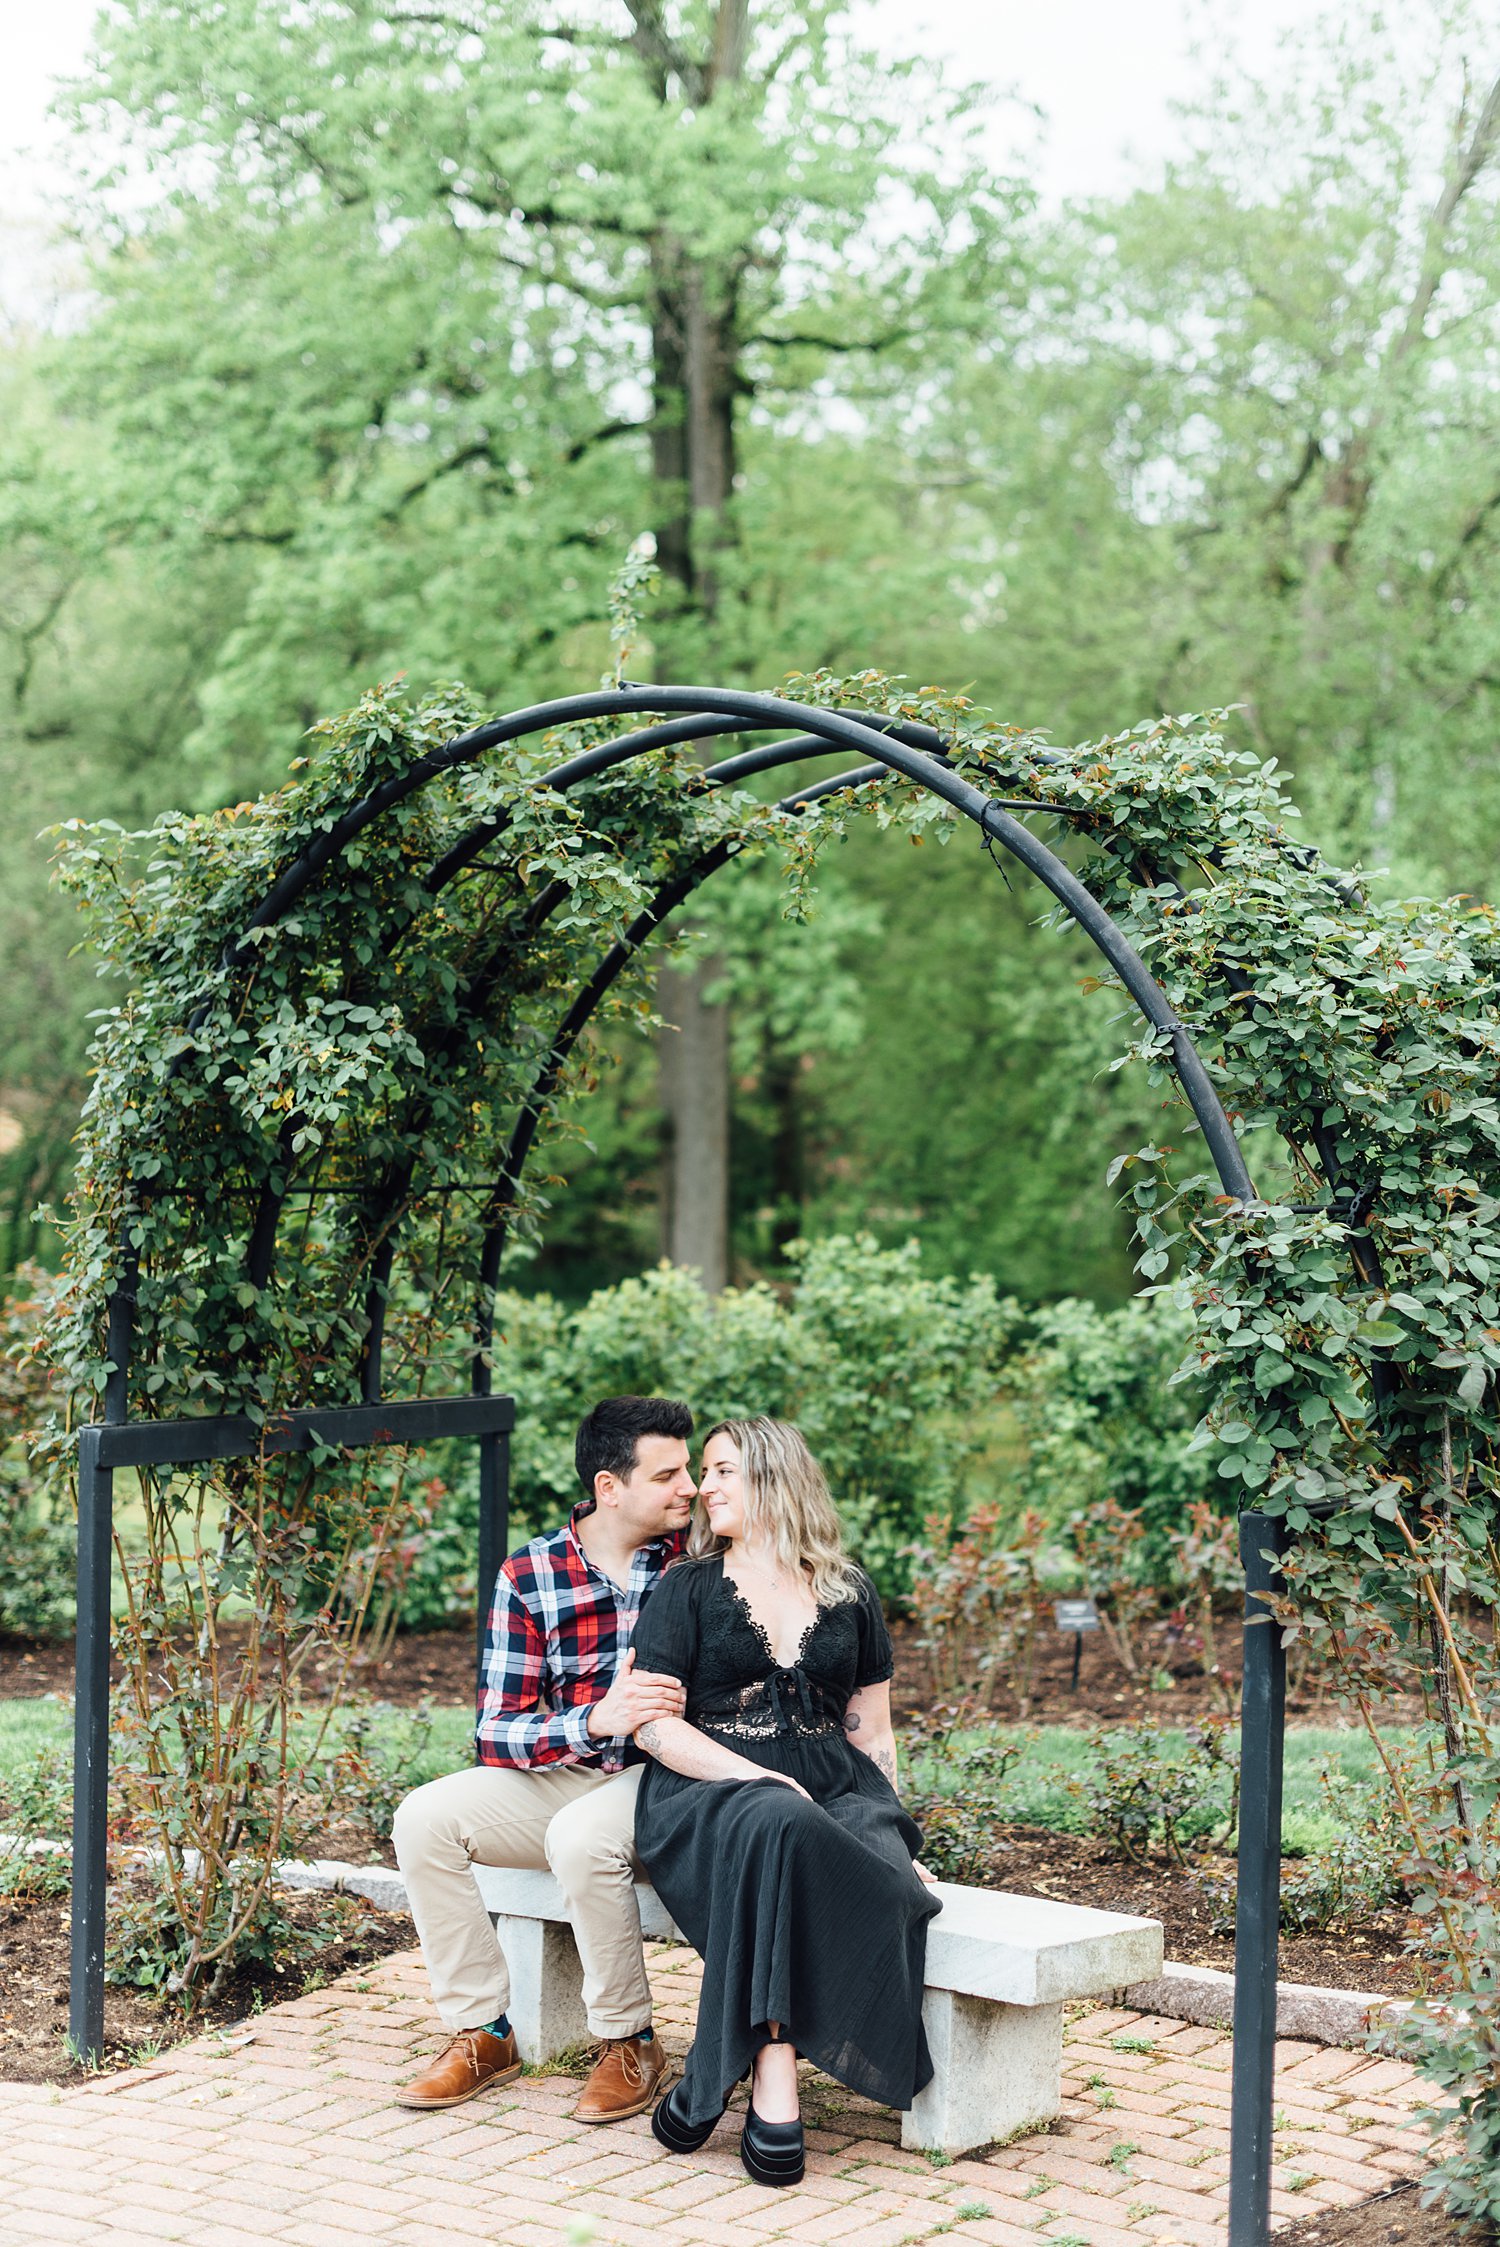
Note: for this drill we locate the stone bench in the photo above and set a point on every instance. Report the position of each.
(1000, 1969)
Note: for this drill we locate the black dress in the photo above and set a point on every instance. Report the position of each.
(806, 1913)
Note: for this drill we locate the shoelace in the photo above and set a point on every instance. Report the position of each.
(631, 2066)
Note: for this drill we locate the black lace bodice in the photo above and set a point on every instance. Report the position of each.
(696, 1626)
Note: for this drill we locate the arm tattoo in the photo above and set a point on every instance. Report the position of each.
(648, 1737)
(884, 1760)
(851, 1721)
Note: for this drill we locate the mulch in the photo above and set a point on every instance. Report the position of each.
(1196, 1908)
(338, 1933)
(1392, 2219)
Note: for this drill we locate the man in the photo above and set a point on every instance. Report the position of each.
(558, 1774)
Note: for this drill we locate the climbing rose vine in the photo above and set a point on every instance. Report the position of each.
(353, 1070)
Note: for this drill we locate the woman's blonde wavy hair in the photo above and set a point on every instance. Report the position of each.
(786, 1501)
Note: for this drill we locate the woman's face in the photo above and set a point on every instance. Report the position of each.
(721, 1488)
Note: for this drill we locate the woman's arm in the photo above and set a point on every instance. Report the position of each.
(683, 1748)
(867, 1720)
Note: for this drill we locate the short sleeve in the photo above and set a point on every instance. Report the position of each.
(877, 1657)
(665, 1637)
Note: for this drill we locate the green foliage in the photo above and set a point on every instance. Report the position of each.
(378, 1756)
(980, 1602)
(1363, 1869)
(1108, 1403)
(1142, 1792)
(961, 1794)
(36, 1541)
(35, 1811)
(890, 1374)
(394, 359)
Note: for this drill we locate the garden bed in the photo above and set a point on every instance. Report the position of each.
(439, 1666)
(1192, 1907)
(332, 1934)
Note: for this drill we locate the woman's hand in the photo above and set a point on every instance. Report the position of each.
(922, 1873)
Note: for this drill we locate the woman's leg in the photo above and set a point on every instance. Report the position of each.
(773, 2084)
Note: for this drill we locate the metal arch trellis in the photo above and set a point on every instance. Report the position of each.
(915, 753)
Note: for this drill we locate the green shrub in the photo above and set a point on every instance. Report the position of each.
(36, 1808)
(926, 1400)
(1108, 1412)
(1145, 1791)
(894, 1378)
(37, 1543)
(1359, 1871)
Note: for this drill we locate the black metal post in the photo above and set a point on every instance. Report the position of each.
(91, 1749)
(1258, 1901)
(494, 1530)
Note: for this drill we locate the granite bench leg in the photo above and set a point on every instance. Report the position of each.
(546, 1986)
(997, 2072)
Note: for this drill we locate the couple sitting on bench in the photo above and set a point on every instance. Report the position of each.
(700, 1695)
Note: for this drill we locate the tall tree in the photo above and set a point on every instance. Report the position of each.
(1247, 452)
(433, 307)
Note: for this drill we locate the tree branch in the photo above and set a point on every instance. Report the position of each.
(582, 445)
(658, 50)
(481, 449)
(1471, 162)
(834, 343)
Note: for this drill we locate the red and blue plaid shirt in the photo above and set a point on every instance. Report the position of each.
(558, 1630)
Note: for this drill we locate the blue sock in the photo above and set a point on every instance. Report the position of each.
(646, 2036)
(500, 2026)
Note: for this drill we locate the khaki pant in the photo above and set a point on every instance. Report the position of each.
(575, 1820)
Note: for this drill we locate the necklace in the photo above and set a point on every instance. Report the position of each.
(767, 1571)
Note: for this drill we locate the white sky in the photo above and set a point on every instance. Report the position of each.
(1103, 73)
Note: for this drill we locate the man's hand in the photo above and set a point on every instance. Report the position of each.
(637, 1697)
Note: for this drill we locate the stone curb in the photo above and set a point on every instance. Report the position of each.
(1201, 1994)
(1205, 1995)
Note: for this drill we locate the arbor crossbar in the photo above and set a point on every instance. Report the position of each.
(170, 1443)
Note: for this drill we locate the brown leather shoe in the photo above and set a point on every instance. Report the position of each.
(471, 2063)
(624, 2080)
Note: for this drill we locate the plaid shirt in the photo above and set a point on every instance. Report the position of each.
(558, 1629)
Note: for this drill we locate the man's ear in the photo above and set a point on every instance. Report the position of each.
(606, 1487)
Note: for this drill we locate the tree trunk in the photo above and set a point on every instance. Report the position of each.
(695, 375)
(694, 1066)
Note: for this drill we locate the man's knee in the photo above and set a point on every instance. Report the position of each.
(427, 1821)
(585, 1842)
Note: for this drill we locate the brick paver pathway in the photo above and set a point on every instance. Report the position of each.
(284, 2131)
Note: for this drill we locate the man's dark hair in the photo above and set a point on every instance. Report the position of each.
(608, 1435)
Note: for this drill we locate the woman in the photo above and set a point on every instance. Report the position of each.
(768, 1817)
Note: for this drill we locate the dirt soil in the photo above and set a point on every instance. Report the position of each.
(1195, 1907)
(1392, 2219)
(339, 1932)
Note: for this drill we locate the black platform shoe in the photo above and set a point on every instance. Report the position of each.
(774, 2153)
(669, 2129)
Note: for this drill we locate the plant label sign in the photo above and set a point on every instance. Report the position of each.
(1076, 1615)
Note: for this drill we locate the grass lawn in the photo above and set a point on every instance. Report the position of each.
(1037, 1791)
